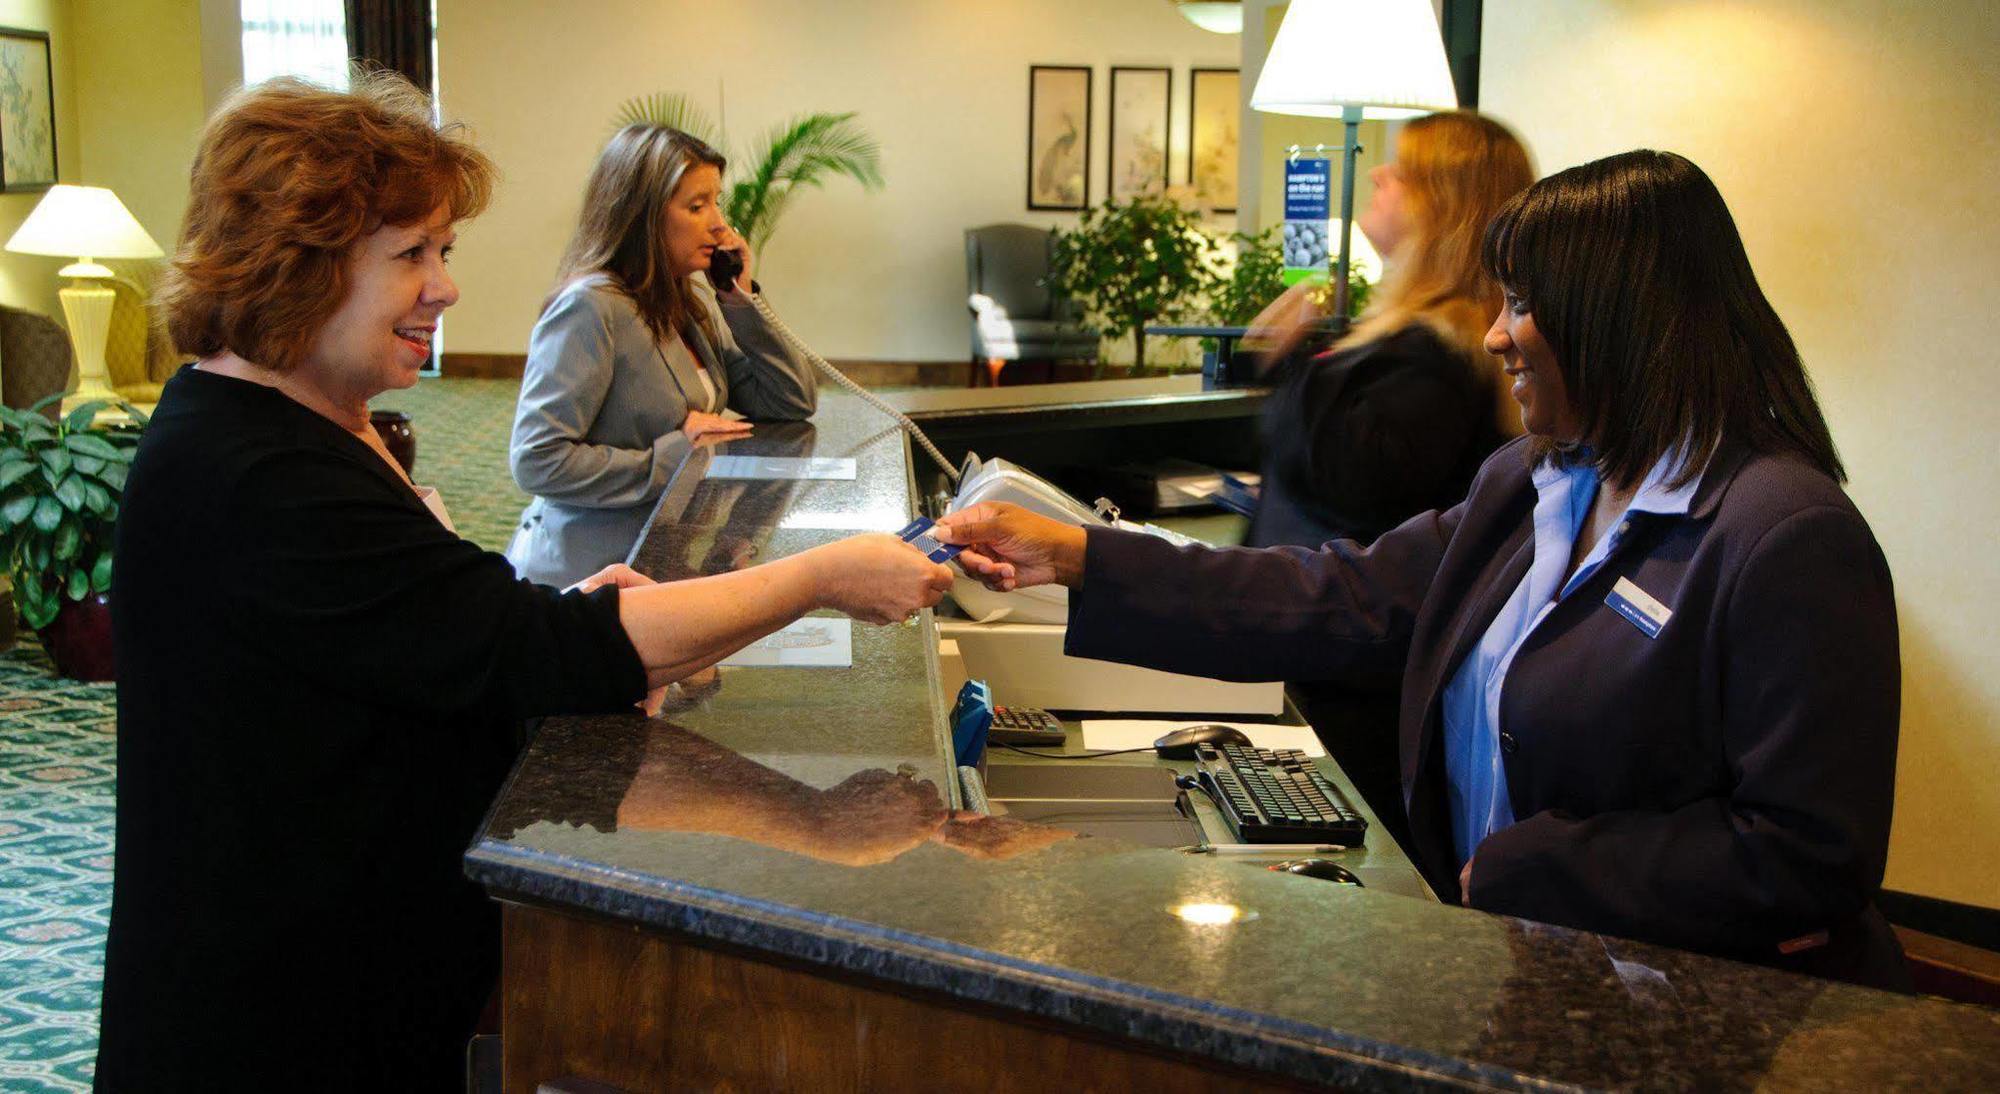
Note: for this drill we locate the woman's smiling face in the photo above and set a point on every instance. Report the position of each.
(397, 286)
(1525, 355)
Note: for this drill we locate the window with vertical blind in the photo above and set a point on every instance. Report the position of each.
(305, 38)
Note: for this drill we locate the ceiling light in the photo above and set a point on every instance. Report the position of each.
(1219, 16)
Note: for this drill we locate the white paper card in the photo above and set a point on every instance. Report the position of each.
(780, 467)
(809, 643)
(1105, 734)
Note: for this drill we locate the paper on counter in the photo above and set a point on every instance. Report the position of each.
(809, 643)
(780, 467)
(1106, 734)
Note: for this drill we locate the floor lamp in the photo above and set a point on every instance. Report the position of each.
(86, 223)
(1355, 60)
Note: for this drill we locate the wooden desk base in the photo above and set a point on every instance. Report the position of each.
(643, 1012)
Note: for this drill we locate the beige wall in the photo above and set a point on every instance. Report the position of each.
(942, 85)
(129, 102)
(25, 280)
(1855, 142)
(139, 103)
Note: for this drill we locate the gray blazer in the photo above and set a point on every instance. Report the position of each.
(598, 427)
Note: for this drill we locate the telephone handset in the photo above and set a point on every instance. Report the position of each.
(785, 334)
(724, 267)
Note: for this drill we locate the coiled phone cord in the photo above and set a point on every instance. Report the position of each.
(841, 378)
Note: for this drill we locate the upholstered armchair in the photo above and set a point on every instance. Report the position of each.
(35, 359)
(1014, 317)
(137, 352)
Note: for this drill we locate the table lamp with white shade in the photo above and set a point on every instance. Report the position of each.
(1355, 60)
(86, 223)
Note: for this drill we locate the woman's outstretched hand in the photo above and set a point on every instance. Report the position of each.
(1008, 547)
(877, 578)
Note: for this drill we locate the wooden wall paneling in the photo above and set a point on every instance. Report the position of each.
(609, 1003)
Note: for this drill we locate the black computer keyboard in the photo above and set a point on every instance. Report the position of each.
(1025, 726)
(1277, 796)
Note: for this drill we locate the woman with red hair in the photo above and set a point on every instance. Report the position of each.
(319, 682)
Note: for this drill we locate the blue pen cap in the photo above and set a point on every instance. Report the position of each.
(971, 718)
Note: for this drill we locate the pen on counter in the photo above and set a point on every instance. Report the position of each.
(1264, 849)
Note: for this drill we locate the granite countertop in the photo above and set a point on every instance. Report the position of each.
(1184, 397)
(801, 812)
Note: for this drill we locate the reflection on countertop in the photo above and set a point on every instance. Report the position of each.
(680, 781)
(596, 538)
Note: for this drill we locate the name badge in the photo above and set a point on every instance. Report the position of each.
(1639, 608)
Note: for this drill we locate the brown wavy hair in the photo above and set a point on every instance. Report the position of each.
(287, 179)
(622, 229)
(1458, 168)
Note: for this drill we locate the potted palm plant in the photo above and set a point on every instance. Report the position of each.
(799, 152)
(60, 485)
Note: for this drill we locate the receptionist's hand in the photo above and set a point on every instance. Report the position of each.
(1284, 321)
(1008, 547)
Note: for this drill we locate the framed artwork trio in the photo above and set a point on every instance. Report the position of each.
(1139, 135)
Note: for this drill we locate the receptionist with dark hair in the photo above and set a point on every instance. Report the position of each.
(1650, 669)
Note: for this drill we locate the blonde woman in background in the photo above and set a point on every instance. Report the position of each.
(1396, 417)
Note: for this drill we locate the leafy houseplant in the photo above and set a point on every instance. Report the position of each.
(60, 484)
(1131, 263)
(1259, 278)
(802, 151)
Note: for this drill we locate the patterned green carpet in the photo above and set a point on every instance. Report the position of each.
(57, 755)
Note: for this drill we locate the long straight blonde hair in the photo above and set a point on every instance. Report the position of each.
(1458, 168)
(622, 229)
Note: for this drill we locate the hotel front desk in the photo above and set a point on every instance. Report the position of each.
(754, 892)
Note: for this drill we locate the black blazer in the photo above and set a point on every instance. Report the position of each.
(1724, 787)
(1360, 439)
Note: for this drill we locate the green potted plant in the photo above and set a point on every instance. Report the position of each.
(60, 484)
(1259, 278)
(801, 151)
(1134, 263)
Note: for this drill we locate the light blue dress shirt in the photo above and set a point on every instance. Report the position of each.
(1475, 777)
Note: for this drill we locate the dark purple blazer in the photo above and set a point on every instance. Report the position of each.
(1723, 787)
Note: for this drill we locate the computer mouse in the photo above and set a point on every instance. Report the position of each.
(1323, 868)
(1179, 745)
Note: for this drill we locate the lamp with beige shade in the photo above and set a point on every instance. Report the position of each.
(1355, 60)
(87, 223)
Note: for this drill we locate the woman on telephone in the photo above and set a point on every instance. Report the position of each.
(635, 358)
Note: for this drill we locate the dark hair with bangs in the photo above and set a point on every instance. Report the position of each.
(1637, 278)
(288, 177)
